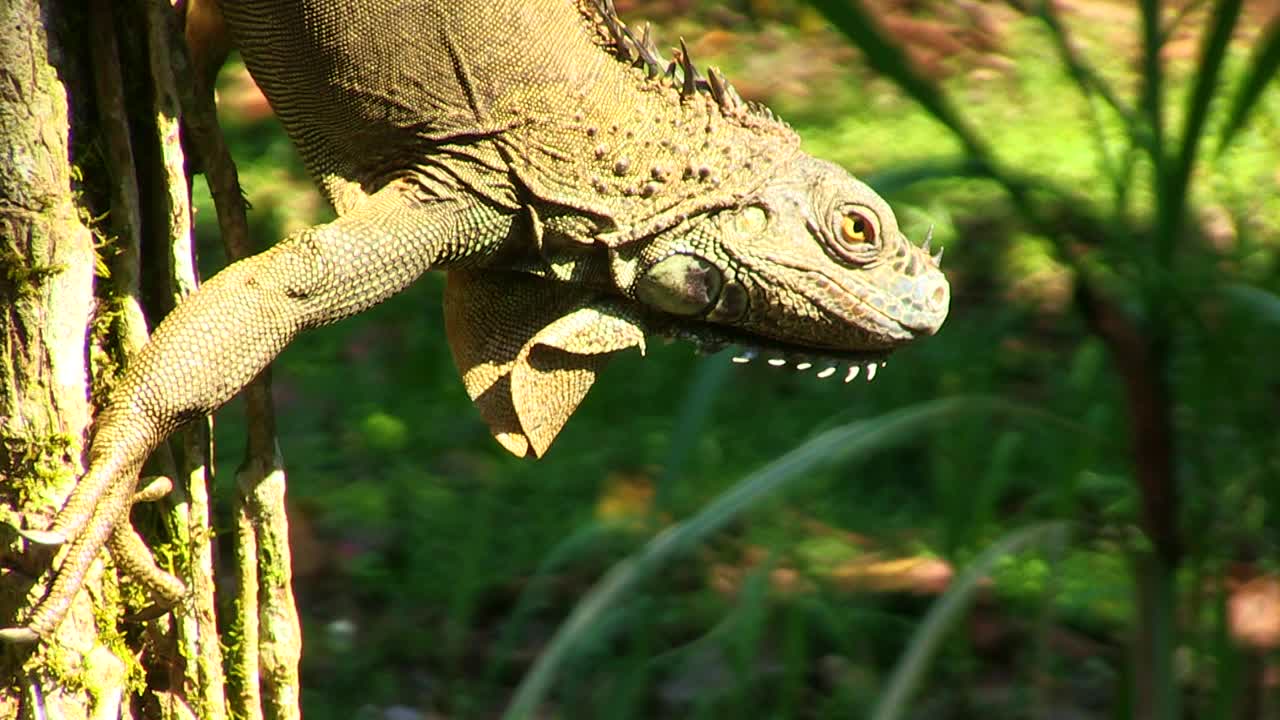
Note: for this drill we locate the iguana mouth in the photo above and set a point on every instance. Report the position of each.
(710, 339)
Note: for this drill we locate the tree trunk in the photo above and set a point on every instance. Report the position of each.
(91, 165)
(46, 305)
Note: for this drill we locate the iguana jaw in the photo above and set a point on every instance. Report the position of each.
(710, 339)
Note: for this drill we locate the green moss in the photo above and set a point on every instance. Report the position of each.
(191, 664)
(232, 641)
(52, 661)
(271, 572)
(26, 277)
(106, 354)
(33, 465)
(107, 357)
(106, 617)
(104, 246)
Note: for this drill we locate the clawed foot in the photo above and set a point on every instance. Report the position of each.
(45, 538)
(148, 613)
(133, 557)
(18, 635)
(104, 523)
(152, 489)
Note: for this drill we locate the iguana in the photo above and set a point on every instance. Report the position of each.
(581, 191)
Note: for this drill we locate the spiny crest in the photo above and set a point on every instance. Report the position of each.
(681, 72)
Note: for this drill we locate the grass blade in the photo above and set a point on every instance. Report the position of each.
(886, 57)
(1259, 302)
(944, 614)
(1180, 16)
(1153, 77)
(1225, 15)
(534, 597)
(1155, 687)
(1093, 85)
(1262, 68)
(900, 177)
(710, 376)
(1229, 670)
(844, 443)
(1086, 78)
(1151, 106)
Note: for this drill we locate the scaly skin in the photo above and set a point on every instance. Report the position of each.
(580, 191)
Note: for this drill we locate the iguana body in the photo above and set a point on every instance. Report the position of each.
(579, 192)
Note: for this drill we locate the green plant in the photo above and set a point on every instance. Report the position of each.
(841, 444)
(1139, 279)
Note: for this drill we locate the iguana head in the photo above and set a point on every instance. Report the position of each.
(813, 265)
(811, 272)
(727, 237)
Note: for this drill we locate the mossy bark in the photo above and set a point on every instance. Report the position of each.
(46, 304)
(91, 165)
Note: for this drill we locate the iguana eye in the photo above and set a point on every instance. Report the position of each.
(856, 230)
(854, 236)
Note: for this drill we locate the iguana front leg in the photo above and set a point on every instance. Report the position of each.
(222, 336)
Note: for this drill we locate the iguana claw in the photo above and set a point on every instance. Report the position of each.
(47, 538)
(153, 489)
(150, 612)
(18, 635)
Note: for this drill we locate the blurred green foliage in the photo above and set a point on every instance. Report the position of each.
(433, 568)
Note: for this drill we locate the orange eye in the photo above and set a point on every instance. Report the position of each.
(856, 229)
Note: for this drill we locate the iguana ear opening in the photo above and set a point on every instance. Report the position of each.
(529, 350)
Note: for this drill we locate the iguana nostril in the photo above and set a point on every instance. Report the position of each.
(932, 304)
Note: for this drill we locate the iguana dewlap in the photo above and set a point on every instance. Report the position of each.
(581, 192)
